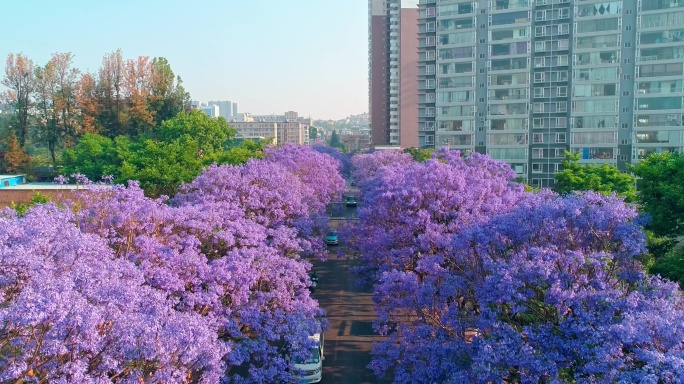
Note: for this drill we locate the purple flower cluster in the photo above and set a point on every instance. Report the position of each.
(477, 281)
(208, 286)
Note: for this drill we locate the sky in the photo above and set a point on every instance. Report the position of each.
(269, 56)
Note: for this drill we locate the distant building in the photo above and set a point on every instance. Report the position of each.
(256, 130)
(210, 110)
(393, 71)
(224, 108)
(290, 127)
(356, 142)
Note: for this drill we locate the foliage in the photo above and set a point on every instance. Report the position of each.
(335, 153)
(180, 148)
(15, 160)
(313, 133)
(670, 266)
(37, 198)
(94, 156)
(661, 192)
(242, 152)
(508, 285)
(208, 287)
(419, 154)
(335, 141)
(604, 179)
(20, 82)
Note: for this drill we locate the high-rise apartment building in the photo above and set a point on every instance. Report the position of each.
(526, 80)
(393, 69)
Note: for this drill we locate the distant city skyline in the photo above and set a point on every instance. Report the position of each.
(269, 56)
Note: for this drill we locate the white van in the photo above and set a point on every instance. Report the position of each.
(310, 370)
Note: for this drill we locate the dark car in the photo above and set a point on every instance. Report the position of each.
(351, 201)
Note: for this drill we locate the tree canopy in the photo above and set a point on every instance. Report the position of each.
(605, 179)
(661, 192)
(477, 280)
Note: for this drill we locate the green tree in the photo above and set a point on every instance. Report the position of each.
(661, 192)
(94, 156)
(242, 152)
(419, 154)
(211, 134)
(20, 81)
(160, 167)
(604, 178)
(335, 141)
(313, 133)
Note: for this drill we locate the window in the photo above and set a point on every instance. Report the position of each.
(430, 26)
(431, 12)
(430, 83)
(430, 41)
(539, 31)
(430, 55)
(623, 157)
(561, 107)
(537, 138)
(536, 167)
(560, 137)
(625, 126)
(625, 93)
(562, 91)
(539, 77)
(540, 15)
(539, 92)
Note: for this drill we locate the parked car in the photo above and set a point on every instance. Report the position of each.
(310, 370)
(351, 201)
(331, 238)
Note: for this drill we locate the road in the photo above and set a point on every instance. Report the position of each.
(351, 314)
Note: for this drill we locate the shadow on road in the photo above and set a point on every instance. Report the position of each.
(350, 312)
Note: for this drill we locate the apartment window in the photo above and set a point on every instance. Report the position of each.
(537, 123)
(482, 41)
(536, 167)
(481, 99)
(481, 70)
(624, 109)
(431, 12)
(561, 122)
(540, 15)
(560, 137)
(537, 138)
(430, 83)
(539, 46)
(430, 26)
(430, 55)
(628, 45)
(539, 31)
(625, 93)
(429, 140)
(562, 91)
(623, 157)
(627, 77)
(429, 112)
(561, 107)
(539, 77)
(539, 92)
(482, 56)
(430, 41)
(625, 126)
(629, 27)
(624, 142)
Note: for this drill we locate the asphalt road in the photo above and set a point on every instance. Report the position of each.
(351, 314)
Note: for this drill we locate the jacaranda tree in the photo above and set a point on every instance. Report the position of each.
(502, 285)
(220, 264)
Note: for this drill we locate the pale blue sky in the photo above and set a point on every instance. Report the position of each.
(268, 56)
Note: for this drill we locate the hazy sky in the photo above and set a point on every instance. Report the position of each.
(309, 56)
